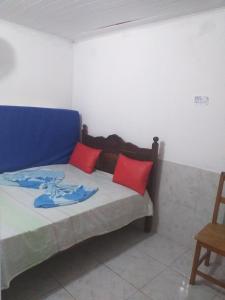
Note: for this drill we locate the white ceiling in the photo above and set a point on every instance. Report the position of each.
(75, 19)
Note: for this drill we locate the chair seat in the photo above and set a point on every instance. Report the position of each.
(213, 235)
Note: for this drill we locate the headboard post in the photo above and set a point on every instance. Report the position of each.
(155, 145)
(152, 186)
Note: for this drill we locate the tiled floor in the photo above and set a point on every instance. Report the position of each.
(127, 264)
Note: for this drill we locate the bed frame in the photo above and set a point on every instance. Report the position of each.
(112, 146)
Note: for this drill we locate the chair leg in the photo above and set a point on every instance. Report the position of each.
(195, 263)
(207, 260)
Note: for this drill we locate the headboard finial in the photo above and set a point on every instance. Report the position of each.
(155, 139)
(155, 146)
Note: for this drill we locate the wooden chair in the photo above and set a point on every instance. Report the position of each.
(212, 238)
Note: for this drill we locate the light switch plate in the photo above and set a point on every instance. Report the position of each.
(202, 100)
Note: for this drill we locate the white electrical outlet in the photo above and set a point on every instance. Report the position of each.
(202, 100)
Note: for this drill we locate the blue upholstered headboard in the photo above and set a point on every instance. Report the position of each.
(31, 136)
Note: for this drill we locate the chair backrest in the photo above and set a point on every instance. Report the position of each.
(219, 198)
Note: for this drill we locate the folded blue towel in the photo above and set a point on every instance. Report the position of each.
(55, 194)
(34, 178)
(63, 195)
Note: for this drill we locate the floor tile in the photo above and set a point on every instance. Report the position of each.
(129, 234)
(71, 265)
(100, 284)
(183, 265)
(61, 294)
(135, 267)
(31, 284)
(217, 270)
(104, 248)
(161, 248)
(114, 267)
(170, 285)
(139, 296)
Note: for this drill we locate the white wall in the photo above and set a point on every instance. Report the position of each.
(141, 82)
(35, 68)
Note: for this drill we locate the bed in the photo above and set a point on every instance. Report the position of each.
(30, 235)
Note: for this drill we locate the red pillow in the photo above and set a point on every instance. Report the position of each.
(132, 173)
(84, 157)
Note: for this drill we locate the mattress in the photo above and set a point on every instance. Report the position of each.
(31, 235)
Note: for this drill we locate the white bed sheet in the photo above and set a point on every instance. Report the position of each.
(31, 235)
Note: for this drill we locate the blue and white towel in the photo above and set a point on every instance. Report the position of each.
(55, 194)
(34, 178)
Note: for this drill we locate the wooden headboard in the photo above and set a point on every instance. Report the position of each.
(113, 145)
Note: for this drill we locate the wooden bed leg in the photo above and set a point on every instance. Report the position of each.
(148, 224)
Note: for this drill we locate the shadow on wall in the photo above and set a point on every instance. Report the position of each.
(161, 150)
(7, 58)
